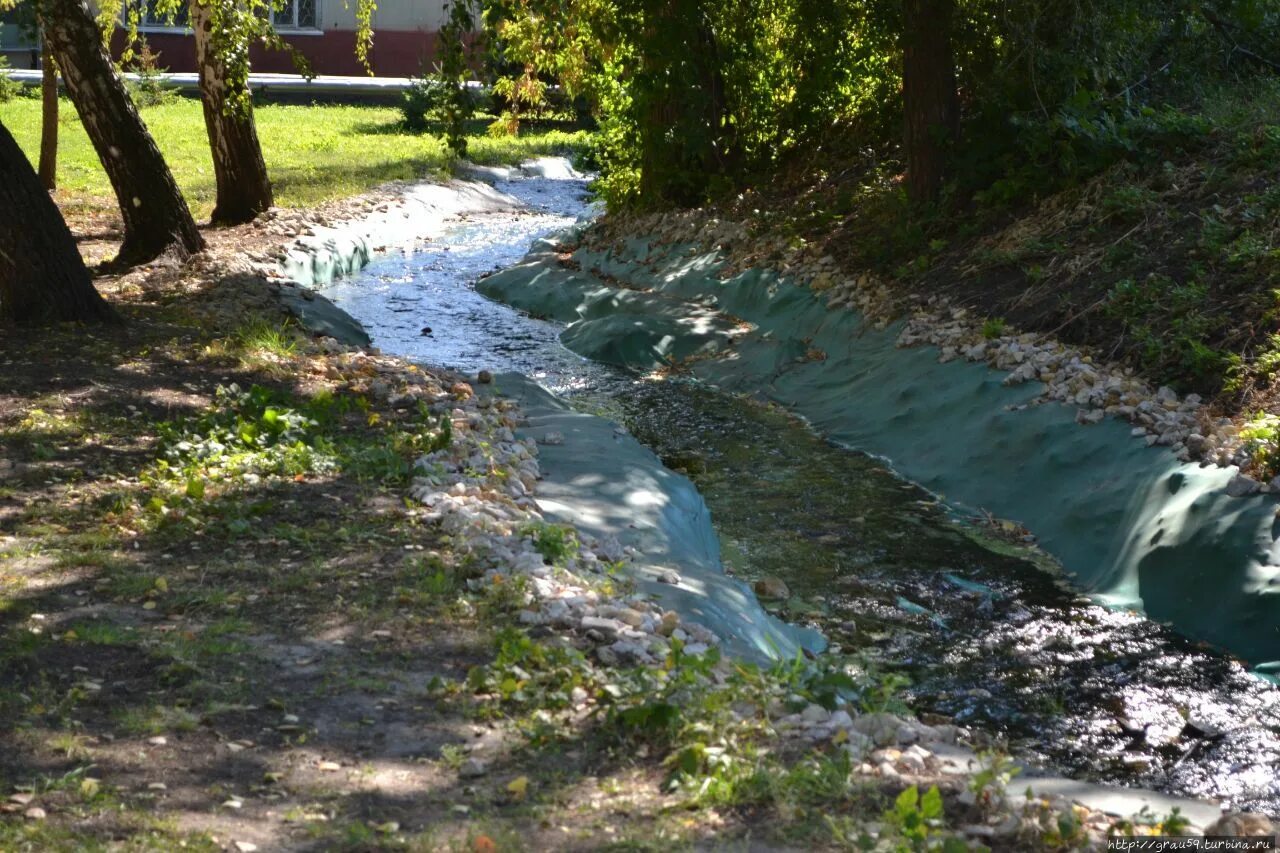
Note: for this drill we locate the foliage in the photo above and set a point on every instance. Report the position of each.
(709, 93)
(455, 104)
(993, 328)
(557, 543)
(149, 89)
(1261, 435)
(1168, 322)
(917, 819)
(9, 88)
(253, 435)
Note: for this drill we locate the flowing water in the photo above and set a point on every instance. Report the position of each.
(985, 636)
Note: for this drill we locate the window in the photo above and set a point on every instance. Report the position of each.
(150, 19)
(296, 15)
(15, 33)
(289, 15)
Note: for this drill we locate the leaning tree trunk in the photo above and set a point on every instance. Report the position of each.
(930, 103)
(244, 190)
(156, 217)
(48, 120)
(42, 277)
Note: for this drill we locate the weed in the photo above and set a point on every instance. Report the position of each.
(994, 328)
(995, 770)
(258, 335)
(557, 543)
(1261, 436)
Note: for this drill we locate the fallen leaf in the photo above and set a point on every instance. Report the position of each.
(518, 786)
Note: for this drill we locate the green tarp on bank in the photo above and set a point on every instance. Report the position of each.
(1129, 523)
(609, 486)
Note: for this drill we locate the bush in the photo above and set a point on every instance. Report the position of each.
(9, 88)
(423, 102)
(149, 90)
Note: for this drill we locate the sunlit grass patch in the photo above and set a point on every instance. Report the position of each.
(314, 153)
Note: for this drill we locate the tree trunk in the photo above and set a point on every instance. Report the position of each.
(42, 276)
(156, 217)
(48, 120)
(244, 190)
(930, 103)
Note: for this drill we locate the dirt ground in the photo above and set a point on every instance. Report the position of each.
(267, 675)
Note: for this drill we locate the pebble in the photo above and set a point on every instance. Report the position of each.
(772, 588)
(473, 768)
(1242, 485)
(880, 727)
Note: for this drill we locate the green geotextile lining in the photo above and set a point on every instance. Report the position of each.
(320, 316)
(1129, 523)
(323, 261)
(609, 486)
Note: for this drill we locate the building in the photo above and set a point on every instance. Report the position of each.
(17, 42)
(324, 31)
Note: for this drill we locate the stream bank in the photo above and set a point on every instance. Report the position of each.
(907, 601)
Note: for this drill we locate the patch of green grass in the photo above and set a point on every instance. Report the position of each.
(314, 153)
(259, 335)
(156, 720)
(103, 633)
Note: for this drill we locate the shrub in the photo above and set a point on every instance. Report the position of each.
(9, 88)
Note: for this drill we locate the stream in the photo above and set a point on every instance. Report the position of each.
(981, 633)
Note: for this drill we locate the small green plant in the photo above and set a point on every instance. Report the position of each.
(452, 756)
(1129, 202)
(995, 770)
(916, 819)
(1174, 823)
(1261, 436)
(993, 328)
(527, 674)
(149, 89)
(557, 543)
(259, 335)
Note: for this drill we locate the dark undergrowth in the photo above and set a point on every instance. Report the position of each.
(1156, 241)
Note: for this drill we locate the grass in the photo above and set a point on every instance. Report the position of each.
(314, 153)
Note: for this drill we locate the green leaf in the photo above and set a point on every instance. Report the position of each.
(931, 804)
(907, 801)
(195, 489)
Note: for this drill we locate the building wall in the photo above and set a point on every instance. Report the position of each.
(404, 39)
(395, 53)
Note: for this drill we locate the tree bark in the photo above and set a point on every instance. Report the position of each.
(42, 276)
(156, 217)
(244, 189)
(930, 103)
(48, 120)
